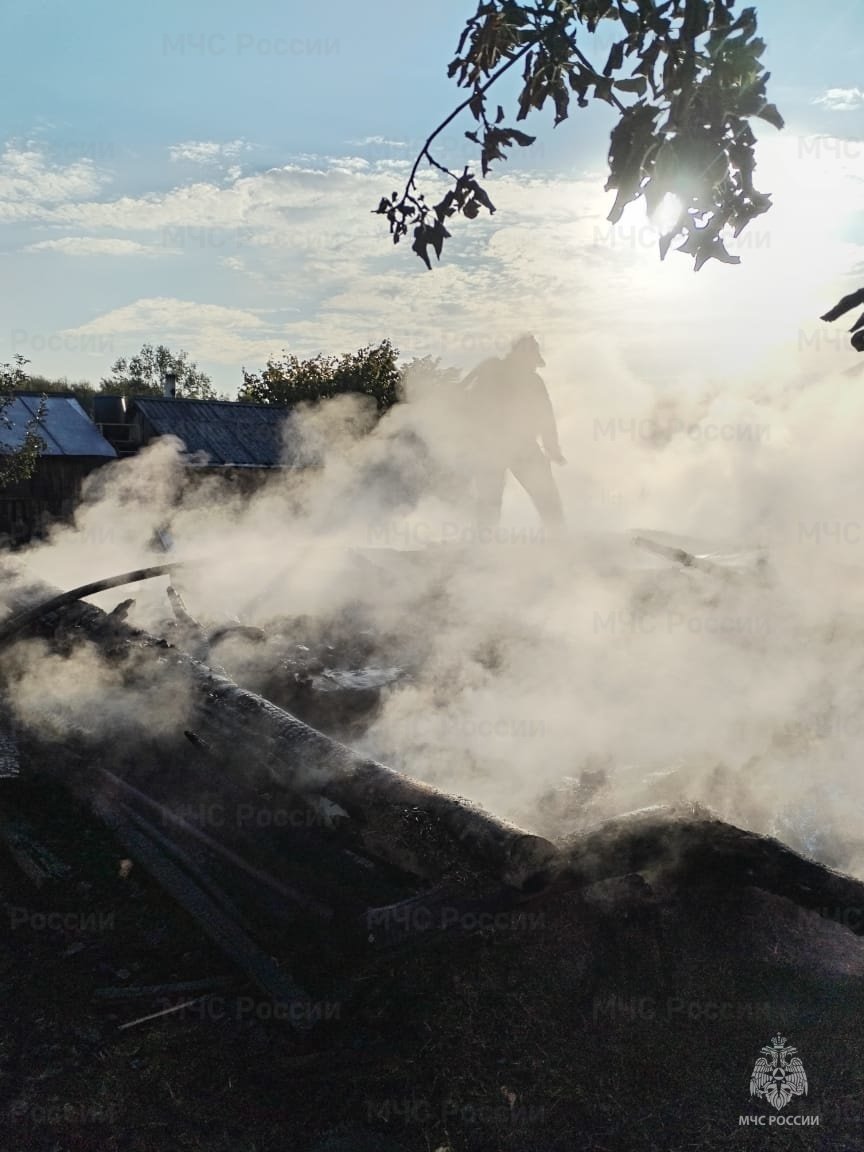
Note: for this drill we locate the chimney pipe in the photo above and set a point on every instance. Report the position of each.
(169, 385)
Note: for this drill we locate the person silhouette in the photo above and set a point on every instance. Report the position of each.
(509, 410)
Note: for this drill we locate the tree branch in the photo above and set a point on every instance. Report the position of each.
(424, 151)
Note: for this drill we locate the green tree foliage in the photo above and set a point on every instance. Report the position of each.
(426, 372)
(82, 390)
(142, 375)
(19, 464)
(684, 77)
(372, 371)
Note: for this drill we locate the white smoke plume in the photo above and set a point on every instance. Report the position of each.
(534, 661)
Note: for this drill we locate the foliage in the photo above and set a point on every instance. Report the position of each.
(426, 372)
(19, 464)
(372, 371)
(142, 375)
(82, 390)
(853, 300)
(685, 77)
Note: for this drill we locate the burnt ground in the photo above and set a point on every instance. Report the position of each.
(625, 1017)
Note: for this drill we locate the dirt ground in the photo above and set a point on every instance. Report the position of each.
(626, 1017)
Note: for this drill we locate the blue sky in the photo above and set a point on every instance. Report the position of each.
(201, 174)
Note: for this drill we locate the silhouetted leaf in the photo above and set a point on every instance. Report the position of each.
(696, 16)
(746, 23)
(637, 84)
(437, 234)
(629, 19)
(714, 250)
(616, 58)
(603, 90)
(481, 198)
(845, 305)
(770, 113)
(445, 207)
(420, 245)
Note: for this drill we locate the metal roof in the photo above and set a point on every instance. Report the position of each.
(229, 434)
(66, 429)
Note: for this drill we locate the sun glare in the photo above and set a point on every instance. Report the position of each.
(667, 213)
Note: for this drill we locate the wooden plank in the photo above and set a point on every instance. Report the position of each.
(232, 940)
(295, 899)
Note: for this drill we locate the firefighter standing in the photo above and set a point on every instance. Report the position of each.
(509, 410)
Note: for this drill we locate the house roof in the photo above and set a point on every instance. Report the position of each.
(229, 434)
(66, 429)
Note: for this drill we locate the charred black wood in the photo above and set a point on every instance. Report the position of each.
(404, 822)
(55, 600)
(209, 914)
(292, 899)
(246, 631)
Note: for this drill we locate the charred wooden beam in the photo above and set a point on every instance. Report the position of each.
(294, 900)
(40, 605)
(191, 635)
(210, 914)
(397, 819)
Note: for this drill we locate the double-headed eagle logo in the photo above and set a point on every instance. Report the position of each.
(778, 1074)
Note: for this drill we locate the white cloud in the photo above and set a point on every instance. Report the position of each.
(211, 332)
(94, 246)
(167, 313)
(305, 235)
(208, 152)
(381, 141)
(29, 182)
(842, 99)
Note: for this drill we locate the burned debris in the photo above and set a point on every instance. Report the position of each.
(371, 832)
(299, 876)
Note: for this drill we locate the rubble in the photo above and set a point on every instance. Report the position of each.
(332, 897)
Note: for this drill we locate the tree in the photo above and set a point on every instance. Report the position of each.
(427, 372)
(143, 375)
(18, 464)
(371, 371)
(82, 390)
(684, 76)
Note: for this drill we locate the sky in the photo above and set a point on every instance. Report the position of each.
(203, 175)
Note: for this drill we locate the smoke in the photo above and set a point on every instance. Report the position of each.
(536, 663)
